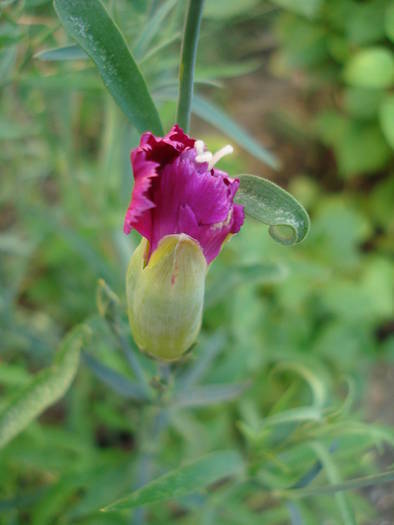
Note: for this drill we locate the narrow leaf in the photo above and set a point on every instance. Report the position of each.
(208, 395)
(218, 118)
(188, 61)
(333, 475)
(117, 382)
(48, 386)
(72, 52)
(209, 351)
(354, 484)
(265, 201)
(186, 479)
(152, 27)
(90, 25)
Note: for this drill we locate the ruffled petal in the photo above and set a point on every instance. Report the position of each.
(175, 194)
(146, 160)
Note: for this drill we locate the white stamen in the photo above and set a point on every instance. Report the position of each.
(199, 146)
(204, 157)
(226, 150)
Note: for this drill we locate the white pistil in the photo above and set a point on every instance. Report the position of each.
(206, 156)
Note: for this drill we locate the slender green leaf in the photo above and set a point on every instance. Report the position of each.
(265, 201)
(90, 25)
(71, 52)
(293, 415)
(334, 477)
(152, 27)
(157, 49)
(218, 118)
(354, 484)
(117, 382)
(49, 386)
(188, 61)
(316, 384)
(186, 479)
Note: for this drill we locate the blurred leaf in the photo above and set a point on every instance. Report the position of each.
(371, 68)
(354, 484)
(72, 52)
(334, 477)
(47, 388)
(307, 8)
(366, 23)
(220, 71)
(207, 395)
(359, 146)
(91, 26)
(215, 116)
(152, 27)
(292, 415)
(264, 273)
(206, 352)
(315, 382)
(117, 382)
(386, 117)
(265, 201)
(389, 21)
(188, 478)
(224, 9)
(363, 102)
(108, 303)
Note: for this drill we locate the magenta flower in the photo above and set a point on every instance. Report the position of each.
(178, 190)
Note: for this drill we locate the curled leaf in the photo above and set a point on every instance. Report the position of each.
(265, 201)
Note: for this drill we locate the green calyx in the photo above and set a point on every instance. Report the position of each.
(165, 296)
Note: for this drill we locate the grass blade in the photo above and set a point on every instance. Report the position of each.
(90, 25)
(188, 60)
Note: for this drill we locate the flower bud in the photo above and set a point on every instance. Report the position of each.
(165, 295)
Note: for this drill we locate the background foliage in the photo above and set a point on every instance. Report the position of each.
(280, 385)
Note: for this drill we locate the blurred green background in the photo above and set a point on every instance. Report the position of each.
(310, 328)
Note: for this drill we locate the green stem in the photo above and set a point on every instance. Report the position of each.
(188, 60)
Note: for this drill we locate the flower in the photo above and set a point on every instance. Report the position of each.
(184, 208)
(178, 190)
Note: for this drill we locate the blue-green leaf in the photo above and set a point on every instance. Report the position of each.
(117, 382)
(218, 118)
(184, 480)
(91, 26)
(72, 52)
(208, 395)
(265, 201)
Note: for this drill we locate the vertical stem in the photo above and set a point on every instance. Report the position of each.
(188, 60)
